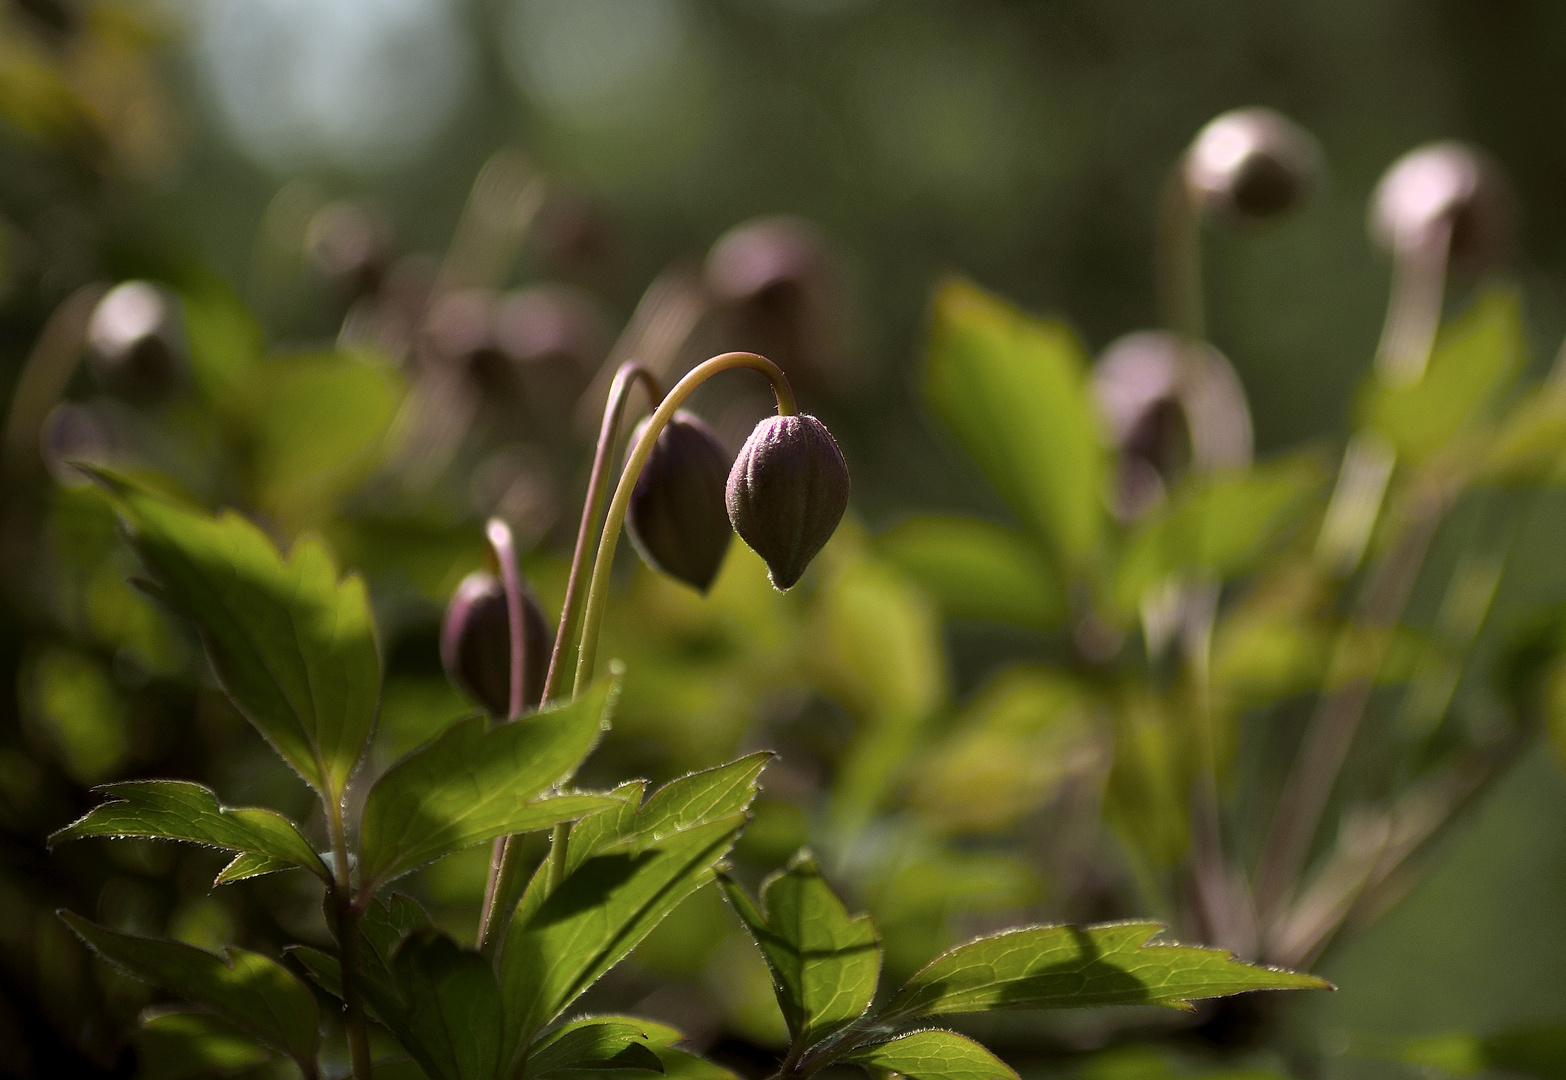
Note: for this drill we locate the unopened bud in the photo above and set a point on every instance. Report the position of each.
(1443, 187)
(475, 644)
(1254, 163)
(134, 342)
(787, 491)
(350, 245)
(677, 518)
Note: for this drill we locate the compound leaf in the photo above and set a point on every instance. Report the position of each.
(824, 963)
(258, 996)
(180, 810)
(292, 645)
(475, 783)
(933, 1055)
(1058, 967)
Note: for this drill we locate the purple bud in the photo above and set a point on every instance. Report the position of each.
(134, 341)
(475, 644)
(349, 244)
(677, 518)
(787, 491)
(1438, 187)
(1254, 163)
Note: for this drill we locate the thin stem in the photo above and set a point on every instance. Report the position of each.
(498, 533)
(598, 590)
(348, 946)
(587, 531)
(1180, 258)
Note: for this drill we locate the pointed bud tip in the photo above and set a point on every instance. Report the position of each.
(787, 492)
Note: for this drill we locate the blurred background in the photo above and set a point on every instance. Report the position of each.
(1021, 144)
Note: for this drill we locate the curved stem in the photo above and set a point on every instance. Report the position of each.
(498, 533)
(587, 532)
(598, 590)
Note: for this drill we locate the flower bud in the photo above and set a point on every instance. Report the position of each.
(677, 518)
(134, 343)
(349, 244)
(1443, 186)
(1254, 163)
(787, 491)
(475, 644)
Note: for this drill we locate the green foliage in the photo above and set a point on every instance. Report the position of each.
(1014, 391)
(977, 570)
(593, 1046)
(180, 810)
(933, 1055)
(824, 962)
(446, 1010)
(177, 1045)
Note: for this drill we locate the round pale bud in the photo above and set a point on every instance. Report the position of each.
(1253, 163)
(475, 644)
(134, 342)
(1447, 188)
(769, 261)
(551, 325)
(349, 244)
(787, 491)
(677, 518)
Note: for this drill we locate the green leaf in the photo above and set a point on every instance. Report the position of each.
(475, 783)
(1059, 967)
(593, 1045)
(1217, 526)
(382, 929)
(1476, 357)
(180, 1045)
(824, 963)
(1014, 390)
(933, 1055)
(292, 645)
(180, 810)
(559, 946)
(226, 345)
(450, 1019)
(662, 1040)
(260, 997)
(1533, 1052)
(978, 570)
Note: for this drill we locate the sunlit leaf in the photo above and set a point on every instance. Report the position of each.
(226, 345)
(933, 1055)
(180, 1045)
(593, 1045)
(475, 783)
(1014, 391)
(978, 570)
(180, 810)
(1058, 967)
(293, 645)
(259, 997)
(824, 962)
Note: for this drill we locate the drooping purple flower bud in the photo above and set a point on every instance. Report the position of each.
(134, 344)
(787, 491)
(475, 644)
(1443, 187)
(1253, 163)
(677, 518)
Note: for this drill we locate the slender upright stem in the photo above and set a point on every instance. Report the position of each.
(348, 945)
(498, 533)
(1180, 258)
(587, 531)
(598, 590)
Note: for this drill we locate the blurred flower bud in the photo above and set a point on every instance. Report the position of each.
(85, 432)
(475, 644)
(787, 491)
(551, 324)
(460, 330)
(677, 518)
(134, 344)
(1167, 405)
(1253, 163)
(1443, 188)
(349, 245)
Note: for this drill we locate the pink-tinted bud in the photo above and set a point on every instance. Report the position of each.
(476, 648)
(350, 245)
(1253, 163)
(1443, 187)
(677, 518)
(787, 491)
(134, 341)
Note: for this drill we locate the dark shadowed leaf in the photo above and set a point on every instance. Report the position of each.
(258, 996)
(450, 1019)
(179, 810)
(933, 1055)
(1057, 967)
(475, 783)
(824, 963)
(180, 1045)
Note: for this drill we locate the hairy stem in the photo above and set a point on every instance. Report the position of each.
(348, 946)
(598, 590)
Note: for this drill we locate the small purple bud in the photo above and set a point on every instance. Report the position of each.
(1443, 186)
(1254, 163)
(677, 518)
(787, 491)
(475, 644)
(134, 341)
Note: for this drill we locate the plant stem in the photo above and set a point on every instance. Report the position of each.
(348, 946)
(1180, 258)
(598, 590)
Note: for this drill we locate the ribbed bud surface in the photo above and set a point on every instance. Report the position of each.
(787, 491)
(475, 644)
(677, 519)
